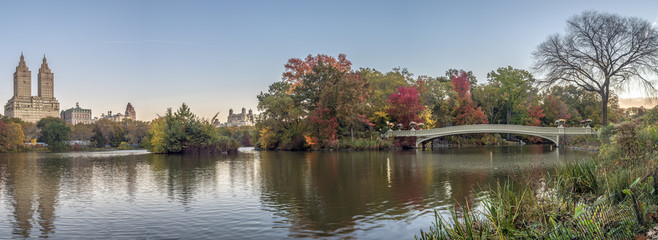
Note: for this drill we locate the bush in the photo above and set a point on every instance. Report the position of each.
(124, 146)
(606, 132)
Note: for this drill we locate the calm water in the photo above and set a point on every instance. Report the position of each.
(253, 195)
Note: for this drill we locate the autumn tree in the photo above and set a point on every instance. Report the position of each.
(535, 114)
(297, 69)
(554, 109)
(600, 52)
(469, 75)
(405, 105)
(11, 136)
(107, 132)
(30, 131)
(582, 104)
(82, 132)
(466, 111)
(380, 87)
(135, 131)
(323, 87)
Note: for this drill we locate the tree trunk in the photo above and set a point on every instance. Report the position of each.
(604, 110)
(352, 134)
(509, 115)
(509, 119)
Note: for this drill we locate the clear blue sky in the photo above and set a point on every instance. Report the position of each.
(216, 55)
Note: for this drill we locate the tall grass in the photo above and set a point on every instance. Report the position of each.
(611, 196)
(362, 144)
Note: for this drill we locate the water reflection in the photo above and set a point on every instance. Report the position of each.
(32, 187)
(251, 195)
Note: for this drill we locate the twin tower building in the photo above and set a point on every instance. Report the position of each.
(32, 108)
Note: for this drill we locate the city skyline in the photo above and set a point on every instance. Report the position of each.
(215, 56)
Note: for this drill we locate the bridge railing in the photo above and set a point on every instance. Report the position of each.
(489, 128)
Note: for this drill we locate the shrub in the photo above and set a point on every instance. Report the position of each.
(606, 132)
(124, 146)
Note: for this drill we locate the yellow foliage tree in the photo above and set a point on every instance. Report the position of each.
(157, 135)
(11, 137)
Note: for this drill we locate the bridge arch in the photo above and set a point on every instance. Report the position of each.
(422, 140)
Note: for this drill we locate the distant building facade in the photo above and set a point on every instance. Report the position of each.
(32, 108)
(240, 119)
(77, 115)
(130, 113)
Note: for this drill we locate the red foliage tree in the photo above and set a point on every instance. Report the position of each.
(555, 109)
(405, 105)
(466, 112)
(323, 128)
(535, 113)
(462, 86)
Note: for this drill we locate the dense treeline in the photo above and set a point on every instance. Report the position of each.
(14, 134)
(179, 132)
(322, 101)
(242, 134)
(184, 132)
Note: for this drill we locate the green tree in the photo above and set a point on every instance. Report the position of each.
(492, 102)
(436, 95)
(281, 124)
(54, 132)
(184, 132)
(515, 87)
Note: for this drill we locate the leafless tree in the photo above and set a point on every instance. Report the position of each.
(601, 51)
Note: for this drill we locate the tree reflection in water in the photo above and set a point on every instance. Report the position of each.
(249, 195)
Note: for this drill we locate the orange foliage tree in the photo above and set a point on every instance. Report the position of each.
(296, 69)
(331, 93)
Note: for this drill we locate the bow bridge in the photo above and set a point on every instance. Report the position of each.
(550, 133)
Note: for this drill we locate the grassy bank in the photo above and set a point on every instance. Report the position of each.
(612, 195)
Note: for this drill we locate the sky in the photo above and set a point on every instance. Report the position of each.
(217, 55)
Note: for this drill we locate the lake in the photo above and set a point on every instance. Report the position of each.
(253, 194)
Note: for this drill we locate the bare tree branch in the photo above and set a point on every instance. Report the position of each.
(600, 50)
